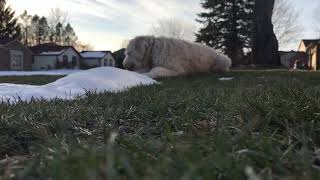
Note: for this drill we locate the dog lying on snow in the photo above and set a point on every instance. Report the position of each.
(165, 57)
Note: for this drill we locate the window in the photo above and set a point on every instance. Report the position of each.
(16, 60)
(74, 61)
(108, 62)
(111, 62)
(65, 60)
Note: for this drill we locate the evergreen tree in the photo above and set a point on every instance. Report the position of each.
(25, 25)
(9, 27)
(227, 26)
(38, 30)
(35, 30)
(69, 35)
(58, 33)
(43, 30)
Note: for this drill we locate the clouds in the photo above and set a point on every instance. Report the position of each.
(106, 23)
(139, 14)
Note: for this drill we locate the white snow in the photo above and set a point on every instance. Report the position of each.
(55, 53)
(61, 72)
(93, 54)
(226, 78)
(97, 80)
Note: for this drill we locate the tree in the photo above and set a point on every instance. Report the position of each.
(57, 16)
(43, 30)
(9, 27)
(265, 44)
(174, 28)
(81, 46)
(35, 30)
(286, 24)
(227, 27)
(119, 56)
(57, 20)
(58, 33)
(39, 30)
(25, 25)
(69, 36)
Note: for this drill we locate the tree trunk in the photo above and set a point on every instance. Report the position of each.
(265, 43)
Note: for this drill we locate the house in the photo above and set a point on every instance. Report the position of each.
(14, 55)
(312, 48)
(52, 56)
(294, 59)
(91, 59)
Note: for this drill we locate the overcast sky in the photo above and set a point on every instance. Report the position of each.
(106, 23)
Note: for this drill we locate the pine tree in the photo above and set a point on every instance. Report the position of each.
(58, 33)
(25, 25)
(9, 27)
(227, 26)
(69, 35)
(43, 29)
(35, 30)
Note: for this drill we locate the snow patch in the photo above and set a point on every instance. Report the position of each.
(52, 53)
(93, 54)
(226, 78)
(97, 80)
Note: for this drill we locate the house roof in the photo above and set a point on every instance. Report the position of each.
(4, 41)
(307, 42)
(292, 52)
(294, 55)
(94, 54)
(50, 49)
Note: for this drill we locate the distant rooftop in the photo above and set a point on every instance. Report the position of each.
(94, 54)
(49, 49)
(307, 42)
(5, 41)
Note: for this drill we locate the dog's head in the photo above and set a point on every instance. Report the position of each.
(138, 53)
(222, 63)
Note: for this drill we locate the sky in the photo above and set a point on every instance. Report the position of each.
(106, 24)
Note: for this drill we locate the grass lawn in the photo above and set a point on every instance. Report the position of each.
(34, 80)
(264, 124)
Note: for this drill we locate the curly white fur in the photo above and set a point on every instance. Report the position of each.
(164, 57)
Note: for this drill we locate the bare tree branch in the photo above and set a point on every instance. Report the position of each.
(81, 46)
(286, 23)
(57, 16)
(174, 28)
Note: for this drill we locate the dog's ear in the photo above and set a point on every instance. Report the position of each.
(148, 45)
(144, 42)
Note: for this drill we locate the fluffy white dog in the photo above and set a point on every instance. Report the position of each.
(165, 57)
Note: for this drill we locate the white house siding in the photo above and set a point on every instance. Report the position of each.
(110, 61)
(106, 61)
(92, 62)
(96, 59)
(44, 62)
(70, 53)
